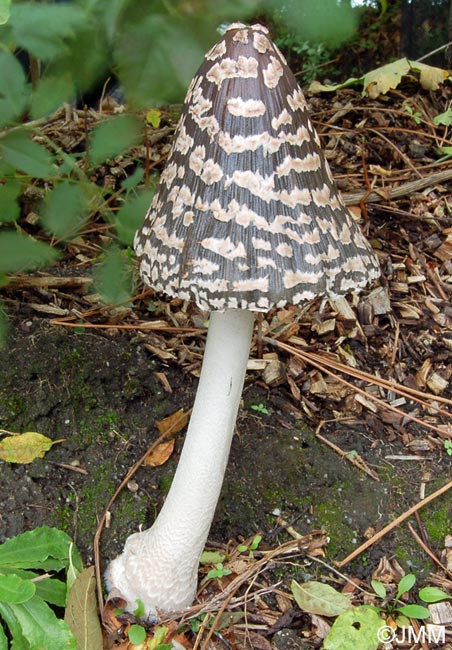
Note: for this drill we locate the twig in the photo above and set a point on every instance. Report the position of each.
(438, 49)
(316, 361)
(426, 549)
(401, 190)
(387, 529)
(357, 461)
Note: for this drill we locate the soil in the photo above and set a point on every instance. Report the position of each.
(98, 396)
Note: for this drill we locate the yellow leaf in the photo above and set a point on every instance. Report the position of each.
(160, 454)
(25, 447)
(173, 423)
(430, 77)
(387, 77)
(154, 117)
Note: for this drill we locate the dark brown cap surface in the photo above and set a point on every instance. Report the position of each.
(246, 214)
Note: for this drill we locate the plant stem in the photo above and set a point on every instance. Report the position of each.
(160, 565)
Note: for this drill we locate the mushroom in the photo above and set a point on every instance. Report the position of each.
(246, 218)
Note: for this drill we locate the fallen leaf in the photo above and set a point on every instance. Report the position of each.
(359, 627)
(387, 77)
(24, 447)
(160, 454)
(81, 612)
(430, 77)
(174, 422)
(318, 598)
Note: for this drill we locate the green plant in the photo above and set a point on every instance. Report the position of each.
(363, 626)
(52, 38)
(37, 571)
(260, 408)
(394, 607)
(414, 114)
(244, 548)
(218, 572)
(448, 447)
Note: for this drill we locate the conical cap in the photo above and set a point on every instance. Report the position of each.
(246, 214)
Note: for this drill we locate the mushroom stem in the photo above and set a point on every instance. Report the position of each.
(159, 566)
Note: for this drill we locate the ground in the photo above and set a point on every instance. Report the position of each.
(98, 394)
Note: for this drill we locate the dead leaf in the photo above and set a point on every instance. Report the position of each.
(173, 423)
(24, 447)
(81, 612)
(430, 77)
(160, 454)
(387, 77)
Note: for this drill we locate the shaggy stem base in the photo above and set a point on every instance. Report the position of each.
(159, 566)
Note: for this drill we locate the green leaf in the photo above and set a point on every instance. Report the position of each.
(131, 214)
(414, 611)
(74, 567)
(379, 588)
(24, 448)
(113, 277)
(9, 206)
(21, 152)
(211, 557)
(41, 628)
(49, 589)
(52, 92)
(444, 119)
(257, 539)
(433, 595)
(405, 584)
(21, 253)
(137, 634)
(18, 643)
(5, 8)
(133, 180)
(42, 29)
(13, 88)
(114, 136)
(356, 628)
(65, 209)
(81, 612)
(318, 598)
(154, 70)
(14, 589)
(43, 547)
(3, 639)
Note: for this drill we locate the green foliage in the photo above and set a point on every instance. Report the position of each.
(260, 408)
(335, 23)
(444, 119)
(244, 548)
(113, 276)
(153, 49)
(396, 608)
(448, 447)
(28, 584)
(5, 8)
(13, 88)
(218, 572)
(137, 634)
(114, 136)
(362, 626)
(21, 253)
(358, 627)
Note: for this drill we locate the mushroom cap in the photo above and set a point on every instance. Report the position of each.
(246, 213)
